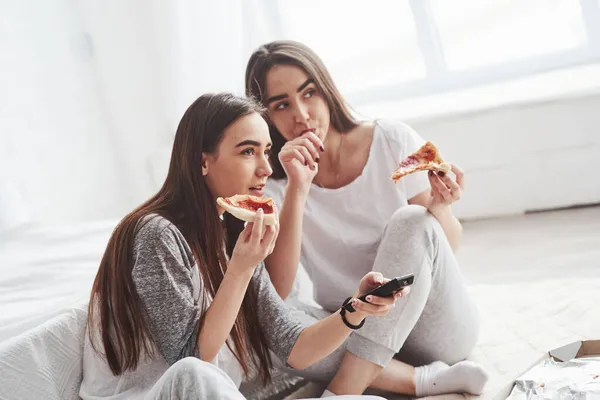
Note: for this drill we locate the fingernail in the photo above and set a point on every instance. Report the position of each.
(369, 298)
(317, 160)
(322, 148)
(441, 174)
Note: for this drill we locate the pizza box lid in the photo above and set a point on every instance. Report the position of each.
(578, 349)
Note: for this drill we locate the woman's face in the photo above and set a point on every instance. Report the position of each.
(241, 163)
(295, 103)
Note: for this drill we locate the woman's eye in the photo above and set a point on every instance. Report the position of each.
(309, 93)
(268, 152)
(280, 106)
(248, 152)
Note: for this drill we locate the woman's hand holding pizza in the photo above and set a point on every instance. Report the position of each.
(300, 159)
(254, 244)
(444, 189)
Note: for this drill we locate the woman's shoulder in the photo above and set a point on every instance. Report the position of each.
(153, 225)
(154, 229)
(394, 129)
(400, 137)
(156, 234)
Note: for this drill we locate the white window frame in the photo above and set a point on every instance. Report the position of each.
(439, 78)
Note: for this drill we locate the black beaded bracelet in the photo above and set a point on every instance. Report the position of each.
(347, 306)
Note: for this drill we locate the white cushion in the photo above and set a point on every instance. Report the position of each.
(45, 362)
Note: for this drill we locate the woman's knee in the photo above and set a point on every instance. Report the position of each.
(191, 377)
(411, 217)
(189, 364)
(412, 223)
(192, 368)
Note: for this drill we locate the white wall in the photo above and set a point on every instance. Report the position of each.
(54, 143)
(90, 91)
(131, 87)
(523, 157)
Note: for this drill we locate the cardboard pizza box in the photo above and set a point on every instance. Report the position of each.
(579, 349)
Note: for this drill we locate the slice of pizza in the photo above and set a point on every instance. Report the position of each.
(245, 206)
(426, 158)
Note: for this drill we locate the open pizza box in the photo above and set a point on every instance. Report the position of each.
(579, 349)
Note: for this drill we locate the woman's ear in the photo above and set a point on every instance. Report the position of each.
(205, 162)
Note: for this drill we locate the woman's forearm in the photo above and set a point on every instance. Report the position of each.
(282, 264)
(321, 338)
(222, 313)
(451, 226)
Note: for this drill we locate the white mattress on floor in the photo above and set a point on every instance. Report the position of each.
(44, 269)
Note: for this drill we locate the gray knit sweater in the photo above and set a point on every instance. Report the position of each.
(167, 280)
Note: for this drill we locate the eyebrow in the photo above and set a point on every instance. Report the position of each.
(283, 96)
(250, 143)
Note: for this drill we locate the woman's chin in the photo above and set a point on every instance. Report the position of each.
(257, 192)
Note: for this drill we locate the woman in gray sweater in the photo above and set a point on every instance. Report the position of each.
(182, 286)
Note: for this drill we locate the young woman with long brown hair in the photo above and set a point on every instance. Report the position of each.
(342, 216)
(182, 285)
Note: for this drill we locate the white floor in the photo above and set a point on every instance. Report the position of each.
(536, 280)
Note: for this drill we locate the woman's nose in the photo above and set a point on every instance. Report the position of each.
(301, 113)
(264, 168)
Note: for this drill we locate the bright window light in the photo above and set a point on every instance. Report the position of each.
(366, 44)
(476, 33)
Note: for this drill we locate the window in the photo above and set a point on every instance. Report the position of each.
(371, 43)
(475, 33)
(392, 49)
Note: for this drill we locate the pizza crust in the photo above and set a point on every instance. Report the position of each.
(244, 214)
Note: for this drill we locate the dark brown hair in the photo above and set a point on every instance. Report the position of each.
(287, 52)
(187, 202)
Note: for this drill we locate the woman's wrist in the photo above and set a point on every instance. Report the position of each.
(355, 318)
(237, 271)
(298, 190)
(440, 210)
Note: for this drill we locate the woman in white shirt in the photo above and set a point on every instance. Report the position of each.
(342, 216)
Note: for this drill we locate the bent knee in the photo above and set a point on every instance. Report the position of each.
(189, 364)
(191, 377)
(194, 367)
(411, 219)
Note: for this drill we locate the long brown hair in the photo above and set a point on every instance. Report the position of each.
(187, 202)
(288, 52)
